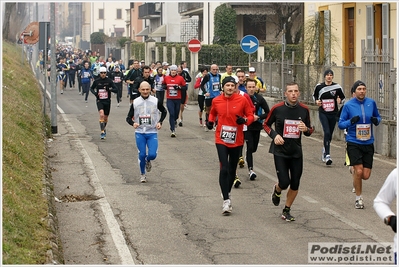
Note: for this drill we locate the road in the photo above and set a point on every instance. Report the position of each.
(176, 218)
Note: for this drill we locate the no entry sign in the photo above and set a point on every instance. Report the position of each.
(194, 45)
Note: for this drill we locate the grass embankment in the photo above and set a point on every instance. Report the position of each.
(25, 208)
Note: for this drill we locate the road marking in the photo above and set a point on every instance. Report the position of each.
(309, 199)
(113, 226)
(353, 225)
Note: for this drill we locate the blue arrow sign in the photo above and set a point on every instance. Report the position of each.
(249, 44)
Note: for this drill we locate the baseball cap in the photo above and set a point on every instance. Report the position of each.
(251, 69)
(229, 79)
(173, 67)
(356, 84)
(165, 63)
(103, 69)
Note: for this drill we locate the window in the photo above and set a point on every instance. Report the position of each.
(101, 13)
(377, 27)
(119, 14)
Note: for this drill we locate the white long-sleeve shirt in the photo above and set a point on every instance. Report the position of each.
(384, 198)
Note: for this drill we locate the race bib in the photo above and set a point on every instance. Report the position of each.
(102, 94)
(86, 75)
(328, 104)
(228, 134)
(117, 79)
(363, 132)
(291, 129)
(216, 86)
(145, 119)
(172, 91)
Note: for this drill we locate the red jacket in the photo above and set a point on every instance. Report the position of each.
(170, 82)
(228, 132)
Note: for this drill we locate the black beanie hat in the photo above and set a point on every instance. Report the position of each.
(229, 79)
(356, 84)
(328, 72)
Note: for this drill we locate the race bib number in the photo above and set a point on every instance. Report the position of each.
(216, 86)
(228, 134)
(86, 75)
(102, 94)
(172, 91)
(363, 132)
(291, 129)
(328, 104)
(117, 79)
(145, 119)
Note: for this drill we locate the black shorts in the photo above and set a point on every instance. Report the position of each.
(208, 102)
(360, 154)
(183, 96)
(104, 105)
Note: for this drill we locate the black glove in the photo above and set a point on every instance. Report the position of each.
(374, 120)
(240, 120)
(176, 87)
(355, 119)
(209, 125)
(392, 223)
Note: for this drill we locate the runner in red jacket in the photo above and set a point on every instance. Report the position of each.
(232, 111)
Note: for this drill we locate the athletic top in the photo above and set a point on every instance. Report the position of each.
(286, 118)
(261, 109)
(328, 95)
(147, 114)
(170, 84)
(102, 89)
(361, 132)
(228, 132)
(211, 84)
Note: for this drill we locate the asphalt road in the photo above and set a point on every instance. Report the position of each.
(176, 218)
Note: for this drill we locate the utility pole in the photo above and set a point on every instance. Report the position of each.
(53, 105)
(282, 63)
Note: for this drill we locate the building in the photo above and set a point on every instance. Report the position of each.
(347, 24)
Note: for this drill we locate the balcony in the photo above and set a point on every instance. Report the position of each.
(149, 11)
(191, 9)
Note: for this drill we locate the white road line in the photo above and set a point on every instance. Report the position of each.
(353, 225)
(309, 199)
(113, 226)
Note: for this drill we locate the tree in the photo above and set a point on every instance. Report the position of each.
(225, 25)
(289, 14)
(98, 38)
(9, 7)
(122, 40)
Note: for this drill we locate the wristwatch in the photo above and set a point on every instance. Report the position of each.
(387, 219)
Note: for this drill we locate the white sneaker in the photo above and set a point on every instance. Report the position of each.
(328, 160)
(227, 208)
(252, 175)
(359, 203)
(143, 179)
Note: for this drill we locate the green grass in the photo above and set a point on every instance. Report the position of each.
(26, 233)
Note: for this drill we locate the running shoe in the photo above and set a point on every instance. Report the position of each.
(148, 166)
(359, 203)
(143, 179)
(241, 162)
(180, 124)
(328, 160)
(173, 134)
(236, 182)
(62, 92)
(227, 208)
(276, 196)
(286, 215)
(323, 155)
(252, 175)
(102, 135)
(200, 122)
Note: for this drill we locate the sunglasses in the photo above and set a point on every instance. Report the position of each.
(102, 72)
